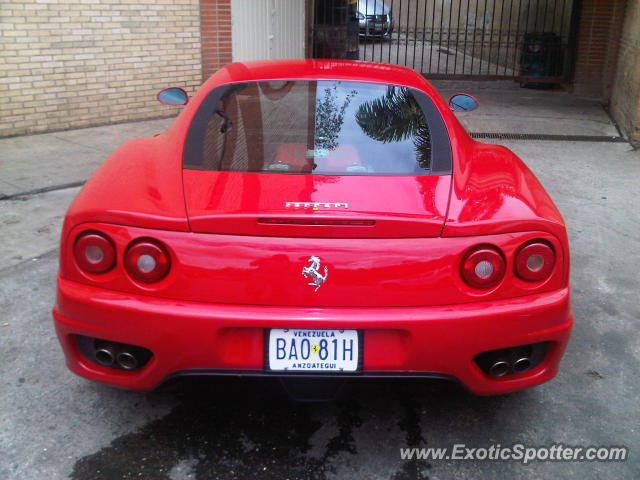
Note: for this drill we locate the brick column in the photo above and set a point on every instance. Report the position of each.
(597, 47)
(215, 30)
(625, 98)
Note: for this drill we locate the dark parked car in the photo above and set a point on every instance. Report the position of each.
(374, 17)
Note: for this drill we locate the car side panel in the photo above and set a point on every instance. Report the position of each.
(493, 191)
(139, 184)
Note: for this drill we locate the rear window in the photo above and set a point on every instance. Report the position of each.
(322, 127)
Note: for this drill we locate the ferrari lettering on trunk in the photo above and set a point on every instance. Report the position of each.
(316, 205)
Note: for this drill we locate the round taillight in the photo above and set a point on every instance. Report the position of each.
(535, 261)
(94, 252)
(147, 260)
(483, 267)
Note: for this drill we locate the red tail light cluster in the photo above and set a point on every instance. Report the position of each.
(535, 261)
(484, 266)
(94, 252)
(146, 260)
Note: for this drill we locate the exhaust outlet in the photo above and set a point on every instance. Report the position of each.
(127, 361)
(117, 355)
(499, 368)
(105, 356)
(521, 364)
(508, 361)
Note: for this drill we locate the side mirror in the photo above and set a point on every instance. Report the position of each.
(173, 96)
(462, 102)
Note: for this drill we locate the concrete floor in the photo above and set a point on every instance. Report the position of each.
(512, 109)
(56, 425)
(39, 161)
(429, 56)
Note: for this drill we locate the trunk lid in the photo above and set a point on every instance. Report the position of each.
(332, 206)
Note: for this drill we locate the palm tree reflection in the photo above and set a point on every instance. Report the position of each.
(394, 117)
(329, 117)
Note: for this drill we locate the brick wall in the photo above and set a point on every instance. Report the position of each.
(625, 99)
(597, 49)
(216, 35)
(74, 63)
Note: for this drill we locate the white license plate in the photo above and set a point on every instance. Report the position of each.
(295, 350)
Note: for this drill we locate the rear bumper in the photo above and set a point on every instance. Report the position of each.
(370, 28)
(387, 32)
(204, 338)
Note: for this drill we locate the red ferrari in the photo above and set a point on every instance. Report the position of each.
(314, 219)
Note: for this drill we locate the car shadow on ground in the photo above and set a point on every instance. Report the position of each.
(232, 428)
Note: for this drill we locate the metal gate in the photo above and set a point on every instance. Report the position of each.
(525, 40)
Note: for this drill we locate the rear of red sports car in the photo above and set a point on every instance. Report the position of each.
(314, 219)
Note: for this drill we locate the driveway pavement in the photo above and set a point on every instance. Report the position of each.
(54, 425)
(427, 55)
(35, 162)
(516, 110)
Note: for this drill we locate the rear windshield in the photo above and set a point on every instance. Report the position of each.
(314, 127)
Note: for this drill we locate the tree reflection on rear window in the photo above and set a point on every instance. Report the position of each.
(317, 127)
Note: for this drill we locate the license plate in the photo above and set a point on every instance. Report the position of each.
(293, 350)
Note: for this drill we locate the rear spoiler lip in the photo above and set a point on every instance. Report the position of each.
(324, 225)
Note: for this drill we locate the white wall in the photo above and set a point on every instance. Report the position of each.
(262, 29)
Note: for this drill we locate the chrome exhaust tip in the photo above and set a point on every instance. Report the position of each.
(107, 353)
(521, 364)
(127, 361)
(104, 356)
(507, 361)
(499, 368)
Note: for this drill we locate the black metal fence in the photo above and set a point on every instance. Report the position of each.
(528, 40)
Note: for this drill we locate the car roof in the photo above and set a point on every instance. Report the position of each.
(316, 69)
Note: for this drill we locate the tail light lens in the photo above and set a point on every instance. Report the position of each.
(535, 261)
(483, 267)
(94, 252)
(147, 260)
